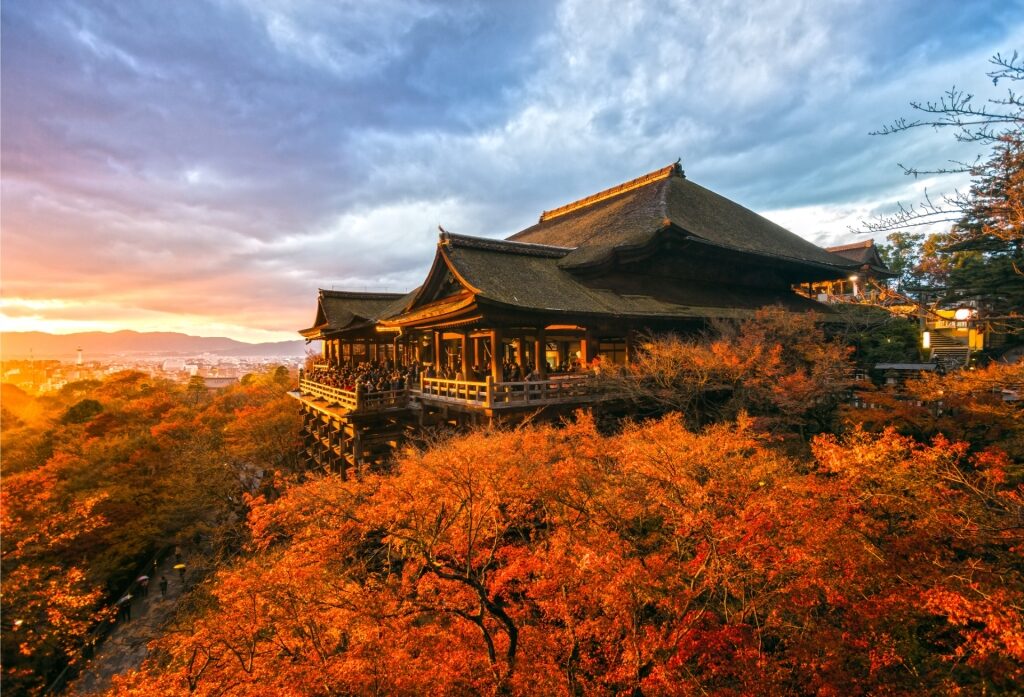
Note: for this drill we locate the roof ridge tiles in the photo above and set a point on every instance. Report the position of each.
(851, 245)
(359, 295)
(509, 246)
(657, 175)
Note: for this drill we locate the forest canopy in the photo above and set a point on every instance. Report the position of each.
(98, 478)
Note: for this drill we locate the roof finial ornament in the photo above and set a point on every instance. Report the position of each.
(677, 168)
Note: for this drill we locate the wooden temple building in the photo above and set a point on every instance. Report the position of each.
(658, 253)
(862, 281)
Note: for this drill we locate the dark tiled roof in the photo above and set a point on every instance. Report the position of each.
(342, 309)
(514, 274)
(863, 254)
(632, 214)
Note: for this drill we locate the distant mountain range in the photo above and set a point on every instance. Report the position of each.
(105, 344)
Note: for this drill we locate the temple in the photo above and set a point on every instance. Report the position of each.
(501, 328)
(863, 282)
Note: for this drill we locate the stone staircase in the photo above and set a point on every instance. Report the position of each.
(948, 351)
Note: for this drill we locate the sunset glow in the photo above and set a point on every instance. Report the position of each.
(205, 167)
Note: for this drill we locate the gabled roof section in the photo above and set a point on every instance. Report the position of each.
(338, 310)
(633, 214)
(529, 277)
(865, 255)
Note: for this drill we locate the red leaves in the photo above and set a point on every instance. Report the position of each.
(560, 561)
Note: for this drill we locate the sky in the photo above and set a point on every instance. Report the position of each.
(205, 165)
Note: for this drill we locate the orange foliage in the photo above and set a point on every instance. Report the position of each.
(107, 472)
(657, 561)
(965, 405)
(778, 366)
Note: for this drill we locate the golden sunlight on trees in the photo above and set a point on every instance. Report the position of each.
(778, 366)
(102, 475)
(659, 560)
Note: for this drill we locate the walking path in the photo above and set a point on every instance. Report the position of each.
(126, 645)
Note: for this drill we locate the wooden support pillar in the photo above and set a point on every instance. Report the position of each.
(521, 353)
(476, 353)
(630, 346)
(540, 352)
(366, 350)
(496, 356)
(394, 352)
(464, 354)
(437, 350)
(588, 349)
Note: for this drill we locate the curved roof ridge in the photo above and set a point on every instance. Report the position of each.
(509, 246)
(359, 295)
(657, 175)
(851, 245)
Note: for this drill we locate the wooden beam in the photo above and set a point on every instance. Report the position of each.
(587, 349)
(496, 355)
(540, 354)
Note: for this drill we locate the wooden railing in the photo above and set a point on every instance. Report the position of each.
(456, 390)
(503, 395)
(557, 389)
(355, 400)
(562, 388)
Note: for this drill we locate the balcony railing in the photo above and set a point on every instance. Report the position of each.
(355, 400)
(503, 395)
(558, 389)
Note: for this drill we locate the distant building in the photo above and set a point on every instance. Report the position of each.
(219, 383)
(863, 280)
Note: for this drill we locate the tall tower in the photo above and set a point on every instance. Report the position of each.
(79, 361)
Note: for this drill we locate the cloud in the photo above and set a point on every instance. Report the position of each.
(219, 160)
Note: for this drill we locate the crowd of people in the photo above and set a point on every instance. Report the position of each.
(368, 376)
(383, 376)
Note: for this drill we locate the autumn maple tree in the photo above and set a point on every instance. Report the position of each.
(656, 560)
(779, 366)
(100, 476)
